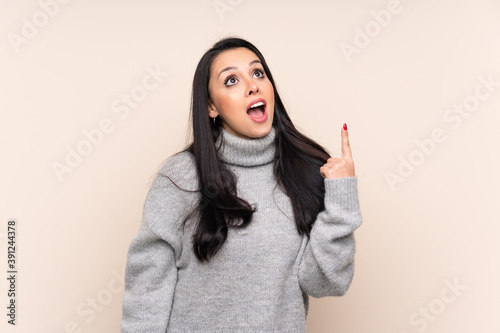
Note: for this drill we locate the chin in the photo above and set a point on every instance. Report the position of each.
(261, 132)
(248, 132)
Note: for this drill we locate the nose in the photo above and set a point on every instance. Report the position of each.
(252, 87)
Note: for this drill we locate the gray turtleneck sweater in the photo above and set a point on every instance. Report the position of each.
(260, 279)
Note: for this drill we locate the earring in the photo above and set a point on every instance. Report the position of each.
(215, 116)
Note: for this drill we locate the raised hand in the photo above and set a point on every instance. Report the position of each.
(343, 166)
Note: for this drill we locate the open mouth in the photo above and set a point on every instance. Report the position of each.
(256, 110)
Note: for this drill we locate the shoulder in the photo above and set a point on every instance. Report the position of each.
(172, 196)
(180, 169)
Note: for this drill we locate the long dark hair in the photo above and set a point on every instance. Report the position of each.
(296, 164)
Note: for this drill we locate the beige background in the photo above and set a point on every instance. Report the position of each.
(435, 228)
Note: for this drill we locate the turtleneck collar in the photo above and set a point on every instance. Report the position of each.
(246, 152)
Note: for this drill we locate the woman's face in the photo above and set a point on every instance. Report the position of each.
(237, 81)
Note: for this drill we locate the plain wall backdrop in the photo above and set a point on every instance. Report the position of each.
(94, 96)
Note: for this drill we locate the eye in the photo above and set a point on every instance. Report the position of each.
(259, 73)
(230, 81)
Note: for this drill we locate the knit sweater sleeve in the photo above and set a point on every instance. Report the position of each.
(151, 272)
(327, 264)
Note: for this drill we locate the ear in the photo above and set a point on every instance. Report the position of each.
(212, 110)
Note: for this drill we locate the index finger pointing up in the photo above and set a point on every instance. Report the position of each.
(346, 147)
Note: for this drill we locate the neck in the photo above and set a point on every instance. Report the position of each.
(246, 152)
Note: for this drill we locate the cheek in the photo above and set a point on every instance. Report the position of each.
(219, 97)
(227, 101)
(228, 104)
(270, 92)
(269, 88)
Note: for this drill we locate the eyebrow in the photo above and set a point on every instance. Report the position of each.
(233, 67)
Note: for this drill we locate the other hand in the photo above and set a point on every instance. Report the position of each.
(343, 166)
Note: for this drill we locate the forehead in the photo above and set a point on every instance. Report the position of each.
(238, 57)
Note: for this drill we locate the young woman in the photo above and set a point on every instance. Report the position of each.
(247, 221)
